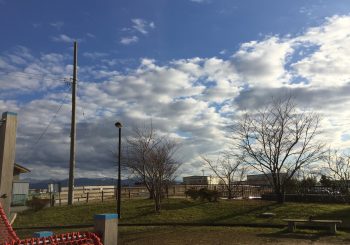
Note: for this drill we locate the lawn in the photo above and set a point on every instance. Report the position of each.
(170, 235)
(185, 211)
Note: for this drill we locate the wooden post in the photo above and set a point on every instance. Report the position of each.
(102, 195)
(53, 200)
(291, 226)
(50, 198)
(73, 129)
(87, 197)
(59, 194)
(333, 228)
(8, 130)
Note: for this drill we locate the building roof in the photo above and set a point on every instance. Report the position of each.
(21, 169)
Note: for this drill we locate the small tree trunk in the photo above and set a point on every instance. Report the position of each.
(229, 193)
(157, 201)
(158, 204)
(280, 196)
(151, 194)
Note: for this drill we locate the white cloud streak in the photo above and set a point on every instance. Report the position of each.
(58, 24)
(129, 40)
(142, 26)
(63, 38)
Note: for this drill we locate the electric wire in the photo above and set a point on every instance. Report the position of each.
(31, 73)
(52, 118)
(18, 75)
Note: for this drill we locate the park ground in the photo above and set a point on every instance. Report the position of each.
(183, 212)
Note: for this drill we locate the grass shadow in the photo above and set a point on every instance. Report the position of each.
(340, 214)
(298, 234)
(181, 205)
(251, 211)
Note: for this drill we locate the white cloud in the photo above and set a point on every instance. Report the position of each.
(192, 99)
(200, 1)
(58, 24)
(64, 39)
(262, 63)
(29, 73)
(95, 55)
(129, 40)
(36, 25)
(90, 35)
(222, 52)
(142, 26)
(327, 64)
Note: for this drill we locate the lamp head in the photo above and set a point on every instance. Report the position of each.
(118, 124)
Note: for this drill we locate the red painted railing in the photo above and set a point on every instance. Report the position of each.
(9, 237)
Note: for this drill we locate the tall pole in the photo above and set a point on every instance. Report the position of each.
(119, 126)
(73, 129)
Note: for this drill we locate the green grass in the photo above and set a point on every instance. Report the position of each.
(185, 211)
(167, 235)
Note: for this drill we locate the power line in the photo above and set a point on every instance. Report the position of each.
(31, 73)
(53, 117)
(33, 77)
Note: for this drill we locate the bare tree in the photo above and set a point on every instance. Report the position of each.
(338, 168)
(279, 140)
(151, 158)
(228, 170)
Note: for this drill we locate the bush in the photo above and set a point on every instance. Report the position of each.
(203, 194)
(192, 193)
(209, 195)
(37, 203)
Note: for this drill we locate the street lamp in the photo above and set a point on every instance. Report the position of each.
(119, 126)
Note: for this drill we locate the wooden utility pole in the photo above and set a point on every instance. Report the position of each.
(73, 130)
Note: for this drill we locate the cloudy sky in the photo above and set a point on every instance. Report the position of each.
(190, 66)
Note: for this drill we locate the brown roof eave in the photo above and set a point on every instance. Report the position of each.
(21, 168)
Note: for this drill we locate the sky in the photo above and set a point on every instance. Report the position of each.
(190, 67)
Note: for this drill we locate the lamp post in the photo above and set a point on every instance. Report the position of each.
(119, 126)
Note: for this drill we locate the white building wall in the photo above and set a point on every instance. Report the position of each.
(20, 188)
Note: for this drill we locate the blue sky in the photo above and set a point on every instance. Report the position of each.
(190, 66)
(183, 29)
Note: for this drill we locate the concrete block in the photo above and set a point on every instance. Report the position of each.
(107, 226)
(42, 234)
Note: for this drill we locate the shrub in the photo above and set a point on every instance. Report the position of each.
(192, 193)
(37, 203)
(203, 194)
(209, 195)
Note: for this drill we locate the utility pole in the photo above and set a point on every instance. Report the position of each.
(73, 129)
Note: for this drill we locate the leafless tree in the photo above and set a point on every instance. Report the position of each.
(151, 158)
(229, 170)
(279, 140)
(338, 168)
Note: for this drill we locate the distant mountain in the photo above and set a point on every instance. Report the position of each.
(42, 184)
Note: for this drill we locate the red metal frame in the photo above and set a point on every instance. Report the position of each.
(9, 237)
